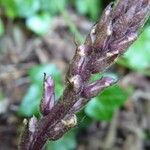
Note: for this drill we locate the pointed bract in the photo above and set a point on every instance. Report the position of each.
(48, 99)
(93, 89)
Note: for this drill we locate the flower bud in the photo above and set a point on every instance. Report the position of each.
(68, 122)
(78, 105)
(103, 30)
(79, 63)
(32, 124)
(93, 89)
(48, 99)
(122, 44)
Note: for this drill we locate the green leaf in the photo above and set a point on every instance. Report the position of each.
(31, 100)
(1, 95)
(97, 76)
(53, 7)
(94, 8)
(1, 27)
(138, 55)
(39, 23)
(103, 106)
(81, 6)
(20, 8)
(9, 8)
(67, 142)
(26, 8)
(96, 110)
(83, 120)
(89, 7)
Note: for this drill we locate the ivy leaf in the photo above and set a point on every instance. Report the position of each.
(137, 57)
(81, 6)
(20, 8)
(103, 106)
(1, 27)
(26, 8)
(39, 23)
(53, 7)
(31, 100)
(89, 7)
(67, 142)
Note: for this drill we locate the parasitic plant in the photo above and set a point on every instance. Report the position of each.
(119, 26)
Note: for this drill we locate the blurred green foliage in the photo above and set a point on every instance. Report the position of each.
(20, 8)
(67, 142)
(92, 8)
(1, 95)
(39, 23)
(38, 14)
(1, 27)
(138, 55)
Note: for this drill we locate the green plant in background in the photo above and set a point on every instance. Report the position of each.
(20, 8)
(1, 27)
(138, 55)
(68, 142)
(1, 95)
(92, 8)
(38, 14)
(39, 23)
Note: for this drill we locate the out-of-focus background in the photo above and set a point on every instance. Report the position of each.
(38, 36)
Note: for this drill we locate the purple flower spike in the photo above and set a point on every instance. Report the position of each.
(108, 39)
(48, 99)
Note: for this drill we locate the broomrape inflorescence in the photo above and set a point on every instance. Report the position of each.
(118, 28)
